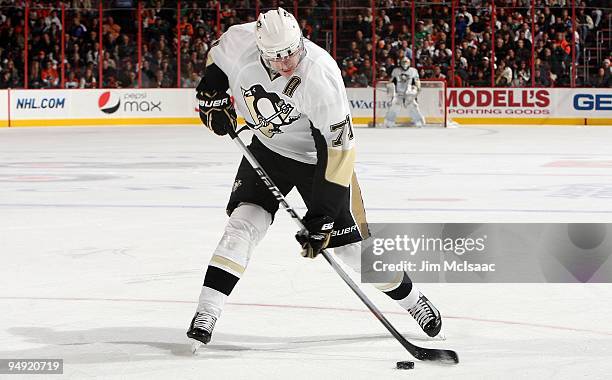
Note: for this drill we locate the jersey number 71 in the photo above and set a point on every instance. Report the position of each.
(340, 126)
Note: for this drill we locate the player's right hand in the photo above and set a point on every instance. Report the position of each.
(316, 236)
(217, 111)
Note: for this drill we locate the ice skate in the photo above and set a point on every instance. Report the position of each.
(427, 316)
(201, 329)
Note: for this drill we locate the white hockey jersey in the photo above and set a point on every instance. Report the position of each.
(282, 110)
(404, 79)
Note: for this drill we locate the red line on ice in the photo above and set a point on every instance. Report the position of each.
(285, 306)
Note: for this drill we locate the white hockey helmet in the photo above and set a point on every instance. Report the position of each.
(405, 63)
(278, 35)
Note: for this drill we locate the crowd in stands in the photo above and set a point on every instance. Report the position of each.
(119, 38)
(486, 52)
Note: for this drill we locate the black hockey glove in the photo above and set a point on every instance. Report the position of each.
(316, 235)
(217, 111)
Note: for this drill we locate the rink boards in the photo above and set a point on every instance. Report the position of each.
(75, 107)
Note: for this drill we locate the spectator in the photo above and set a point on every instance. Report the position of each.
(124, 75)
(523, 76)
(522, 52)
(461, 26)
(78, 30)
(437, 73)
(88, 80)
(543, 76)
(461, 72)
(607, 67)
(362, 25)
(132, 82)
(71, 81)
(350, 68)
(111, 28)
(560, 62)
(52, 19)
(34, 79)
(7, 80)
(420, 34)
(12, 71)
(125, 48)
(383, 74)
(186, 28)
(192, 81)
(355, 57)
(585, 24)
(561, 43)
(480, 79)
(49, 76)
(306, 28)
(148, 76)
(601, 79)
(161, 80)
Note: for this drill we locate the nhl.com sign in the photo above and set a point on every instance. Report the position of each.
(110, 102)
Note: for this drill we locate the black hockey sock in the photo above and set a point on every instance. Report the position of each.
(220, 280)
(402, 291)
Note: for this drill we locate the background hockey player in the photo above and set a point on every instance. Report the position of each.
(291, 94)
(406, 87)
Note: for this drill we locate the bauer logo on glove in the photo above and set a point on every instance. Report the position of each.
(217, 111)
(215, 103)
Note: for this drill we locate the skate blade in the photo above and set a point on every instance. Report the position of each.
(441, 335)
(195, 346)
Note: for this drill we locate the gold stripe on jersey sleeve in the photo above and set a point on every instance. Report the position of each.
(340, 165)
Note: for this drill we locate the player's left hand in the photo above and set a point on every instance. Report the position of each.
(316, 236)
(217, 111)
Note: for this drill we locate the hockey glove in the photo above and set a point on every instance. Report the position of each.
(316, 235)
(412, 91)
(217, 111)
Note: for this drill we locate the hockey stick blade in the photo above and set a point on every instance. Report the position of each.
(432, 354)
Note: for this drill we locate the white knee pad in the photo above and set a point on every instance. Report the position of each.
(350, 254)
(246, 227)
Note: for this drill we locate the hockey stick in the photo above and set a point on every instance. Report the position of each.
(444, 356)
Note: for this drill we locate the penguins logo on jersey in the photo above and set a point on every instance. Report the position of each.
(268, 110)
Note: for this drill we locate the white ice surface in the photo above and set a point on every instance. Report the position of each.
(105, 234)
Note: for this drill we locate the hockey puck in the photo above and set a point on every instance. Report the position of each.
(405, 365)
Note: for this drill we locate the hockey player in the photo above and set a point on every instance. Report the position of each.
(406, 86)
(291, 94)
